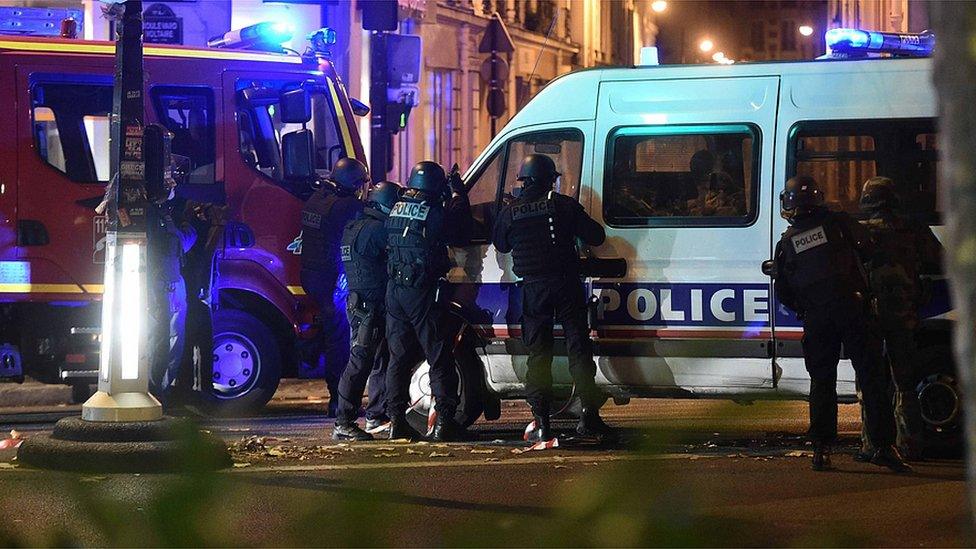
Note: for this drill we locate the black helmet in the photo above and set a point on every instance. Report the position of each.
(538, 169)
(800, 196)
(349, 174)
(428, 176)
(879, 193)
(384, 195)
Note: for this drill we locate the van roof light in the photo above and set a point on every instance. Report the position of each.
(859, 43)
(267, 35)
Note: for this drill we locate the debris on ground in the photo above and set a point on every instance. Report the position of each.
(439, 454)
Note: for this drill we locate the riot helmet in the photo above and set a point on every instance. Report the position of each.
(879, 193)
(384, 195)
(800, 196)
(349, 175)
(429, 177)
(538, 170)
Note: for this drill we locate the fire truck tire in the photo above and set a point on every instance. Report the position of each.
(247, 364)
(473, 393)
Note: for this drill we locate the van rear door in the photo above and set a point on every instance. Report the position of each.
(678, 176)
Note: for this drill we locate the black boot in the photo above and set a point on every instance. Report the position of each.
(352, 432)
(400, 429)
(591, 425)
(888, 456)
(448, 430)
(541, 432)
(821, 458)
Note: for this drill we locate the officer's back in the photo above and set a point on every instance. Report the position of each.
(540, 229)
(326, 214)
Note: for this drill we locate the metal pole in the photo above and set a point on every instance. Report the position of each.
(380, 149)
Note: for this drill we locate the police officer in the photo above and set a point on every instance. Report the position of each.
(324, 216)
(363, 253)
(421, 226)
(903, 250)
(540, 229)
(170, 236)
(819, 275)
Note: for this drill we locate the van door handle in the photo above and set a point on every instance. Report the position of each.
(31, 232)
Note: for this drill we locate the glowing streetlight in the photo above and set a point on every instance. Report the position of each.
(805, 30)
(659, 6)
(706, 45)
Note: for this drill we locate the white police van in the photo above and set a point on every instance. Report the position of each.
(683, 165)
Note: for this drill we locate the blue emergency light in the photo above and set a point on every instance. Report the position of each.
(268, 35)
(859, 43)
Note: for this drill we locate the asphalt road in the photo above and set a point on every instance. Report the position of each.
(690, 473)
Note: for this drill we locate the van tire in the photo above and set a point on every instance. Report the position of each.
(939, 397)
(247, 364)
(473, 395)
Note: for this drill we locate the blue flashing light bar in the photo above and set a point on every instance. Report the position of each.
(268, 35)
(857, 43)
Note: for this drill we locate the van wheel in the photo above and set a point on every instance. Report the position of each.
(246, 364)
(939, 399)
(471, 387)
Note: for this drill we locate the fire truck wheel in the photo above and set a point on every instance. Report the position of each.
(473, 394)
(246, 363)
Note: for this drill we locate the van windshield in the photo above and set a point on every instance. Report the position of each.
(260, 129)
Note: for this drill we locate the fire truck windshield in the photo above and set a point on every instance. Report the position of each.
(260, 129)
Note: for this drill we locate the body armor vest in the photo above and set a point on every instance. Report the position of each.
(542, 243)
(894, 266)
(363, 271)
(322, 231)
(821, 260)
(417, 256)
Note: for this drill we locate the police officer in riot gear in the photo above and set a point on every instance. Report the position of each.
(363, 253)
(324, 216)
(540, 229)
(421, 226)
(820, 276)
(903, 251)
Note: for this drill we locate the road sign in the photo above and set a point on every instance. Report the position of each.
(494, 68)
(496, 37)
(161, 25)
(497, 104)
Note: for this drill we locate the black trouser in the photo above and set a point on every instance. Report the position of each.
(563, 299)
(901, 352)
(368, 358)
(413, 315)
(168, 311)
(330, 347)
(824, 330)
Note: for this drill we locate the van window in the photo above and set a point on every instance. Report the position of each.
(841, 155)
(260, 129)
(71, 127)
(188, 112)
(682, 176)
(565, 147)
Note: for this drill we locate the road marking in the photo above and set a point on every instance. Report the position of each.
(543, 460)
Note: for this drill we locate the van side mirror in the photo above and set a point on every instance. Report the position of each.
(769, 268)
(298, 156)
(295, 106)
(598, 267)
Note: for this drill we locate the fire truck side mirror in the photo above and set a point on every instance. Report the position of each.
(296, 106)
(158, 170)
(298, 155)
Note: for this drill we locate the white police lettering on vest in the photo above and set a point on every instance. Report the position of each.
(410, 210)
(532, 209)
(809, 239)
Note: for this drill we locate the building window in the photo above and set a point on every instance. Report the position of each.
(71, 125)
(787, 35)
(682, 176)
(842, 155)
(757, 36)
(188, 112)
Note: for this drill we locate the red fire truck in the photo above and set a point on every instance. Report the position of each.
(222, 107)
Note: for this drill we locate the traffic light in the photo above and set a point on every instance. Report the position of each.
(400, 102)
